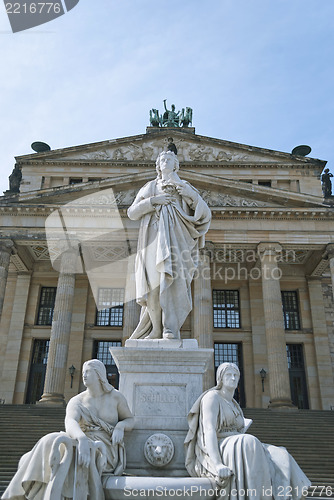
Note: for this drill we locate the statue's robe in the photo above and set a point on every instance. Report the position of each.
(260, 471)
(35, 467)
(169, 237)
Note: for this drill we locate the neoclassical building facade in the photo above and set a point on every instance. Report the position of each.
(262, 294)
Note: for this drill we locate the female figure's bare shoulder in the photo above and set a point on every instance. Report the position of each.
(210, 401)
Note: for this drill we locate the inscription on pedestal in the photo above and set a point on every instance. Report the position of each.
(160, 400)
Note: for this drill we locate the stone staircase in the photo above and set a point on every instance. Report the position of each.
(308, 435)
(21, 426)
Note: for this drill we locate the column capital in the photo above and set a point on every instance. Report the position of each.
(70, 261)
(269, 248)
(6, 246)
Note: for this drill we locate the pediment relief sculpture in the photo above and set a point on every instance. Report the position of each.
(187, 150)
(126, 198)
(109, 198)
(215, 199)
(130, 152)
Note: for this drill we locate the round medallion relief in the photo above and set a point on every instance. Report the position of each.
(159, 450)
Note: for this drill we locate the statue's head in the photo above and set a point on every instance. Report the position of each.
(222, 369)
(171, 155)
(173, 107)
(101, 372)
(326, 170)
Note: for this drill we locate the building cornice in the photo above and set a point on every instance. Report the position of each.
(217, 212)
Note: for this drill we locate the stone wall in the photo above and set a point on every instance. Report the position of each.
(329, 309)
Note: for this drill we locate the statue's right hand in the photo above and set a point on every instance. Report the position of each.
(161, 199)
(83, 452)
(224, 472)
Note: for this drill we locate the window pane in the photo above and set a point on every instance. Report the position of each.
(110, 307)
(231, 353)
(290, 310)
(226, 309)
(101, 352)
(46, 305)
(295, 356)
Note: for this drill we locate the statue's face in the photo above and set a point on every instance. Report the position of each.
(167, 163)
(89, 376)
(230, 379)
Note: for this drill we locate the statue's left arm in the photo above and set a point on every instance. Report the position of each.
(201, 212)
(125, 420)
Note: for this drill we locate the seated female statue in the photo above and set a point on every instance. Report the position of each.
(218, 448)
(70, 465)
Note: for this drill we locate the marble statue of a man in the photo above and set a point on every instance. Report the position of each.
(174, 219)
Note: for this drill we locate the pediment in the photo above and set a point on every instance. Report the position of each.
(191, 148)
(217, 192)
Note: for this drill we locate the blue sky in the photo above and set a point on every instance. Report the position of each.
(259, 72)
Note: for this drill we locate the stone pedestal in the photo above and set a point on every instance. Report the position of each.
(160, 379)
(123, 487)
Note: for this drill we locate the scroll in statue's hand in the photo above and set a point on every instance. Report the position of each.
(117, 436)
(83, 452)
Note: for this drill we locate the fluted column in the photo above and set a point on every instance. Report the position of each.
(14, 341)
(202, 313)
(56, 370)
(330, 253)
(131, 308)
(279, 383)
(321, 343)
(6, 247)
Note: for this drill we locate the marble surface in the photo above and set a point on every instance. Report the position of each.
(160, 380)
(121, 488)
(218, 448)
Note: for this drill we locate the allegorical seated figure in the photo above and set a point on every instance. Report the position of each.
(174, 219)
(217, 447)
(63, 465)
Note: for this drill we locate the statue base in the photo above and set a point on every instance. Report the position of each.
(125, 487)
(161, 380)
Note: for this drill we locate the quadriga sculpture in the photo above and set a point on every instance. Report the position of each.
(72, 464)
(217, 447)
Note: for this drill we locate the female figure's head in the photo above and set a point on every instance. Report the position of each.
(167, 156)
(223, 372)
(100, 371)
